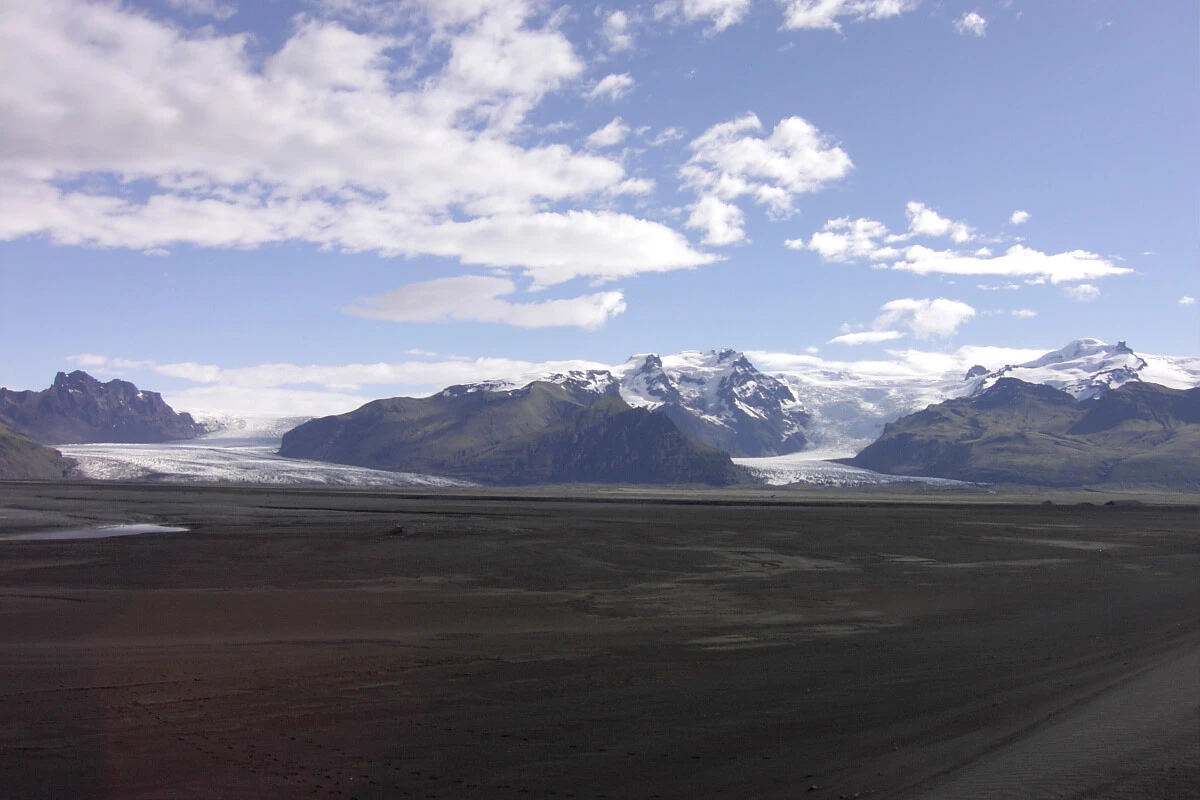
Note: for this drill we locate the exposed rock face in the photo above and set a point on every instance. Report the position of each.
(79, 409)
(541, 433)
(721, 399)
(23, 458)
(1139, 434)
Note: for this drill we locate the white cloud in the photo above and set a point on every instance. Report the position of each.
(555, 248)
(208, 8)
(1017, 261)
(160, 252)
(618, 31)
(1019, 218)
(866, 337)
(241, 401)
(719, 13)
(721, 222)
(136, 133)
(1082, 293)
(924, 221)
(1024, 313)
(824, 14)
(1187, 300)
(729, 161)
(610, 135)
(479, 298)
(926, 318)
(971, 22)
(844, 240)
(666, 136)
(613, 87)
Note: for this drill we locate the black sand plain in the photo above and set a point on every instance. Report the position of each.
(337, 643)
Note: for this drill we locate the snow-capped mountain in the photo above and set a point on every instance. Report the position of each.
(724, 400)
(1087, 368)
(718, 397)
(850, 407)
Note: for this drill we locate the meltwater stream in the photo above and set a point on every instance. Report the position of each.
(106, 532)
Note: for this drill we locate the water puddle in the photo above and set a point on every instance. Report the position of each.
(106, 532)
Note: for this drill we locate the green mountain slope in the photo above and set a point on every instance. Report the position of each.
(1140, 434)
(542, 433)
(21, 457)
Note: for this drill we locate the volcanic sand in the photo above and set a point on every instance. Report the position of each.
(334, 643)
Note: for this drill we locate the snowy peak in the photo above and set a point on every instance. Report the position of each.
(719, 397)
(597, 382)
(1087, 368)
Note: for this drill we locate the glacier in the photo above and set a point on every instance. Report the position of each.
(222, 457)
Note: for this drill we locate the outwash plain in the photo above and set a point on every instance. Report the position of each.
(342, 643)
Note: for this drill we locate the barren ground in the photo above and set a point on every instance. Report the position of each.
(333, 643)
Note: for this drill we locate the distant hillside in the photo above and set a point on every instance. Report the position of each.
(541, 433)
(23, 458)
(1015, 432)
(79, 409)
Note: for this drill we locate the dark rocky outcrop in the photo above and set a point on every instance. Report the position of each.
(78, 409)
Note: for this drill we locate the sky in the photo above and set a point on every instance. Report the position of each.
(292, 206)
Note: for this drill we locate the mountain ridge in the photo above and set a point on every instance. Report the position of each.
(541, 433)
(1138, 434)
(78, 409)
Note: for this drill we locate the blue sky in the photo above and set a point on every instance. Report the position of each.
(289, 207)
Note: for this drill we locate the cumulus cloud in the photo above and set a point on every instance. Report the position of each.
(824, 14)
(136, 133)
(610, 135)
(844, 240)
(866, 337)
(731, 160)
(971, 23)
(926, 318)
(479, 298)
(1081, 293)
(1187, 300)
(924, 221)
(721, 222)
(1019, 218)
(618, 31)
(719, 14)
(612, 87)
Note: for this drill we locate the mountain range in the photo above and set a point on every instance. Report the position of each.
(653, 419)
(543, 432)
(1135, 435)
(722, 399)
